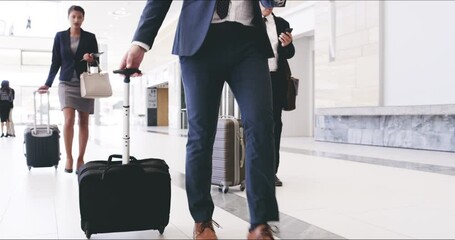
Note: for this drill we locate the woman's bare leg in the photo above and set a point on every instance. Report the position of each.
(68, 134)
(83, 136)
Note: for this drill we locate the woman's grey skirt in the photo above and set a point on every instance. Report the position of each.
(69, 94)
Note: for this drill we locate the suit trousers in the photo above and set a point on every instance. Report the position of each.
(230, 53)
(278, 96)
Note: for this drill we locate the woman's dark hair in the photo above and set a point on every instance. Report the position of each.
(5, 85)
(76, 8)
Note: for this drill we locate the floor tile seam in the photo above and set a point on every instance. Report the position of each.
(283, 216)
(354, 218)
(181, 231)
(5, 210)
(27, 236)
(420, 167)
(372, 211)
(56, 216)
(377, 226)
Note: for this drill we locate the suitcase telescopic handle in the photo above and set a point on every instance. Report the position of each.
(40, 92)
(127, 72)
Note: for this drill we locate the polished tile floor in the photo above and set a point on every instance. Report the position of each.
(330, 191)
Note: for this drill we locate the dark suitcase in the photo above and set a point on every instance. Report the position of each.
(127, 195)
(228, 158)
(42, 142)
(132, 197)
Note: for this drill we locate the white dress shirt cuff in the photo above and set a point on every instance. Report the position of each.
(142, 45)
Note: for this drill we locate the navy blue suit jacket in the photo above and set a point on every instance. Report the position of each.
(194, 23)
(64, 59)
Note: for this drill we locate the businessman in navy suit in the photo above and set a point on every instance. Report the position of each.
(220, 41)
(280, 72)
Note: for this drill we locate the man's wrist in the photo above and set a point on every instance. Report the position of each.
(142, 45)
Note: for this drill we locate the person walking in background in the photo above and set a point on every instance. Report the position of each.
(72, 49)
(217, 42)
(5, 106)
(10, 131)
(280, 72)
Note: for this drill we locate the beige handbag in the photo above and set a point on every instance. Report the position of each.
(95, 85)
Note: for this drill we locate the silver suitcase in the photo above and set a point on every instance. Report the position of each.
(228, 159)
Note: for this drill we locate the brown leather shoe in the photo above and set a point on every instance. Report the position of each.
(204, 230)
(262, 231)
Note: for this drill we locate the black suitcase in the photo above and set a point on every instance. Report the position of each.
(127, 195)
(42, 142)
(132, 197)
(228, 158)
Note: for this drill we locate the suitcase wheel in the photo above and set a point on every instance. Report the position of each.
(56, 166)
(29, 167)
(88, 234)
(161, 230)
(223, 188)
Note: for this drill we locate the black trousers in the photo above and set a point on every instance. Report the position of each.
(277, 91)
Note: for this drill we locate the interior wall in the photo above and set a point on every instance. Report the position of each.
(419, 47)
(299, 122)
(350, 76)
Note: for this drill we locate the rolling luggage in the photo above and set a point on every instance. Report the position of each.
(42, 142)
(127, 195)
(228, 158)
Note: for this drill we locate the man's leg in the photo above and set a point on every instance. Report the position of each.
(251, 86)
(203, 93)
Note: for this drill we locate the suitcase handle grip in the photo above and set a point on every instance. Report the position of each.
(109, 160)
(137, 168)
(127, 72)
(242, 148)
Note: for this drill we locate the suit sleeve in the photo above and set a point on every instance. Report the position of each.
(94, 48)
(289, 50)
(151, 19)
(56, 61)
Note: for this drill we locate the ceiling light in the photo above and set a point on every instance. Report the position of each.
(119, 13)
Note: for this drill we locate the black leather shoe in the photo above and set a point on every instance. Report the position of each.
(2, 135)
(278, 182)
(68, 170)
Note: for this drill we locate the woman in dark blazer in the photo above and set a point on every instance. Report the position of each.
(72, 50)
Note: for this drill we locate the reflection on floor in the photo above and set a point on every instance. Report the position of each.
(330, 191)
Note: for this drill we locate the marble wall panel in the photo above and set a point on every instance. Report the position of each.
(430, 132)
